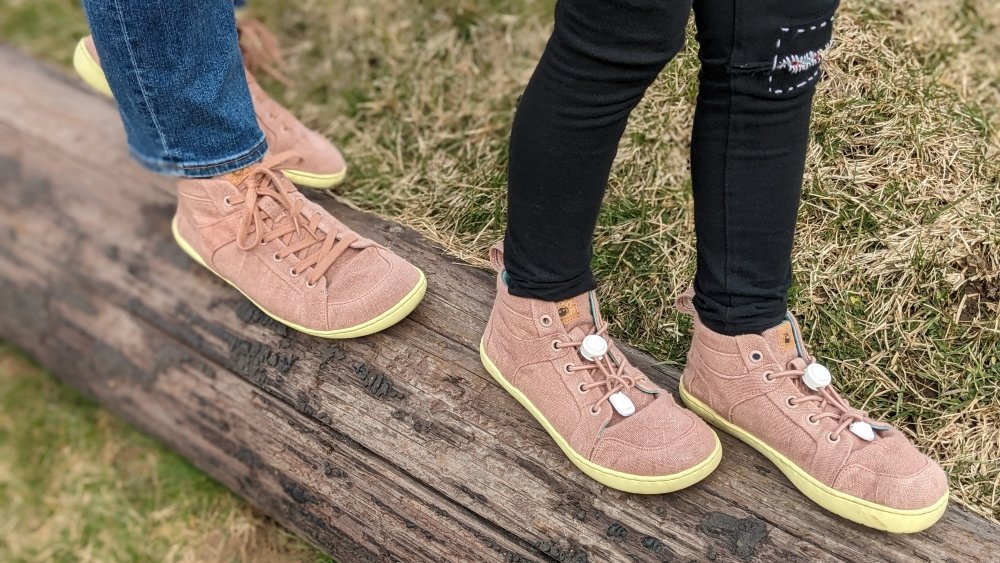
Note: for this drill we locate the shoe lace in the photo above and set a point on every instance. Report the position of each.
(260, 49)
(614, 378)
(825, 396)
(319, 248)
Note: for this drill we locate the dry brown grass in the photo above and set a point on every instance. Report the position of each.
(898, 253)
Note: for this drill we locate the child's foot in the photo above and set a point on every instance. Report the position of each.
(290, 257)
(609, 419)
(318, 163)
(767, 391)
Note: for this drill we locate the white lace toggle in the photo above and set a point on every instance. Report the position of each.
(816, 376)
(622, 404)
(863, 430)
(594, 347)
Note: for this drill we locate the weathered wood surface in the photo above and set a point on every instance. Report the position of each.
(396, 446)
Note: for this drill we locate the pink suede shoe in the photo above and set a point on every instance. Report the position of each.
(609, 419)
(767, 391)
(290, 257)
(317, 163)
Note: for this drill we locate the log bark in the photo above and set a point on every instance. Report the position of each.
(394, 447)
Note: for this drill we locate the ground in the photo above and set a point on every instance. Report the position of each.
(897, 259)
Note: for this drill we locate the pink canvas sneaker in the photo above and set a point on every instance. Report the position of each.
(317, 163)
(766, 390)
(290, 257)
(609, 419)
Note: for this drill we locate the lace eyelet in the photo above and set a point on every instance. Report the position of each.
(790, 404)
(811, 420)
(292, 272)
(756, 356)
(545, 320)
(595, 410)
(310, 285)
(829, 438)
(581, 389)
(276, 258)
(566, 368)
(767, 376)
(555, 345)
(227, 201)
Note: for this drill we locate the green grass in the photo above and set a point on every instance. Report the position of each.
(897, 258)
(77, 484)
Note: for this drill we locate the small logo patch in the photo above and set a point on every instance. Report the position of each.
(568, 311)
(787, 339)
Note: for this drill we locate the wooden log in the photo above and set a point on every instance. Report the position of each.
(393, 447)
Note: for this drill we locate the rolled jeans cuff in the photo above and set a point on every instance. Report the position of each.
(218, 167)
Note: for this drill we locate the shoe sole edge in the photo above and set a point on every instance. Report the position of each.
(852, 508)
(640, 484)
(393, 315)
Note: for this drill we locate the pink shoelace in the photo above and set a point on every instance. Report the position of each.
(825, 396)
(614, 377)
(320, 249)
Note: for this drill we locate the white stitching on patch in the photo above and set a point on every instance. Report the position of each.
(795, 64)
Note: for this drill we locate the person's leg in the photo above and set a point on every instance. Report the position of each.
(602, 56)
(319, 163)
(748, 151)
(175, 69)
(545, 342)
(749, 370)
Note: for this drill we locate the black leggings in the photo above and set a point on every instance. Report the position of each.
(759, 67)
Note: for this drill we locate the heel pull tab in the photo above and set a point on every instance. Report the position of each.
(685, 302)
(496, 256)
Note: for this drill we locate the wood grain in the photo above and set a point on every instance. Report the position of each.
(394, 447)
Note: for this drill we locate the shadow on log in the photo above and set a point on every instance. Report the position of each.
(392, 447)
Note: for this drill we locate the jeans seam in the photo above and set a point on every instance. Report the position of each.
(138, 79)
(725, 172)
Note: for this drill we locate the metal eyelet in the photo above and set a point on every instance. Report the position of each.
(790, 404)
(767, 376)
(227, 201)
(545, 320)
(292, 272)
(555, 345)
(810, 420)
(756, 356)
(581, 389)
(310, 285)
(276, 258)
(566, 368)
(595, 410)
(829, 438)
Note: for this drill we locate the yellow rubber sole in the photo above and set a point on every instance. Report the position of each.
(93, 75)
(858, 510)
(396, 313)
(641, 484)
(315, 181)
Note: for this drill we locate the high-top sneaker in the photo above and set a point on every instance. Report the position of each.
(611, 421)
(292, 258)
(767, 390)
(317, 163)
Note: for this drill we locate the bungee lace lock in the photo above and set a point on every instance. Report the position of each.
(594, 348)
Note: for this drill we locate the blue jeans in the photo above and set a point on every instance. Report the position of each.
(176, 71)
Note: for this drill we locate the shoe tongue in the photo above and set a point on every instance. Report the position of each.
(576, 315)
(785, 342)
